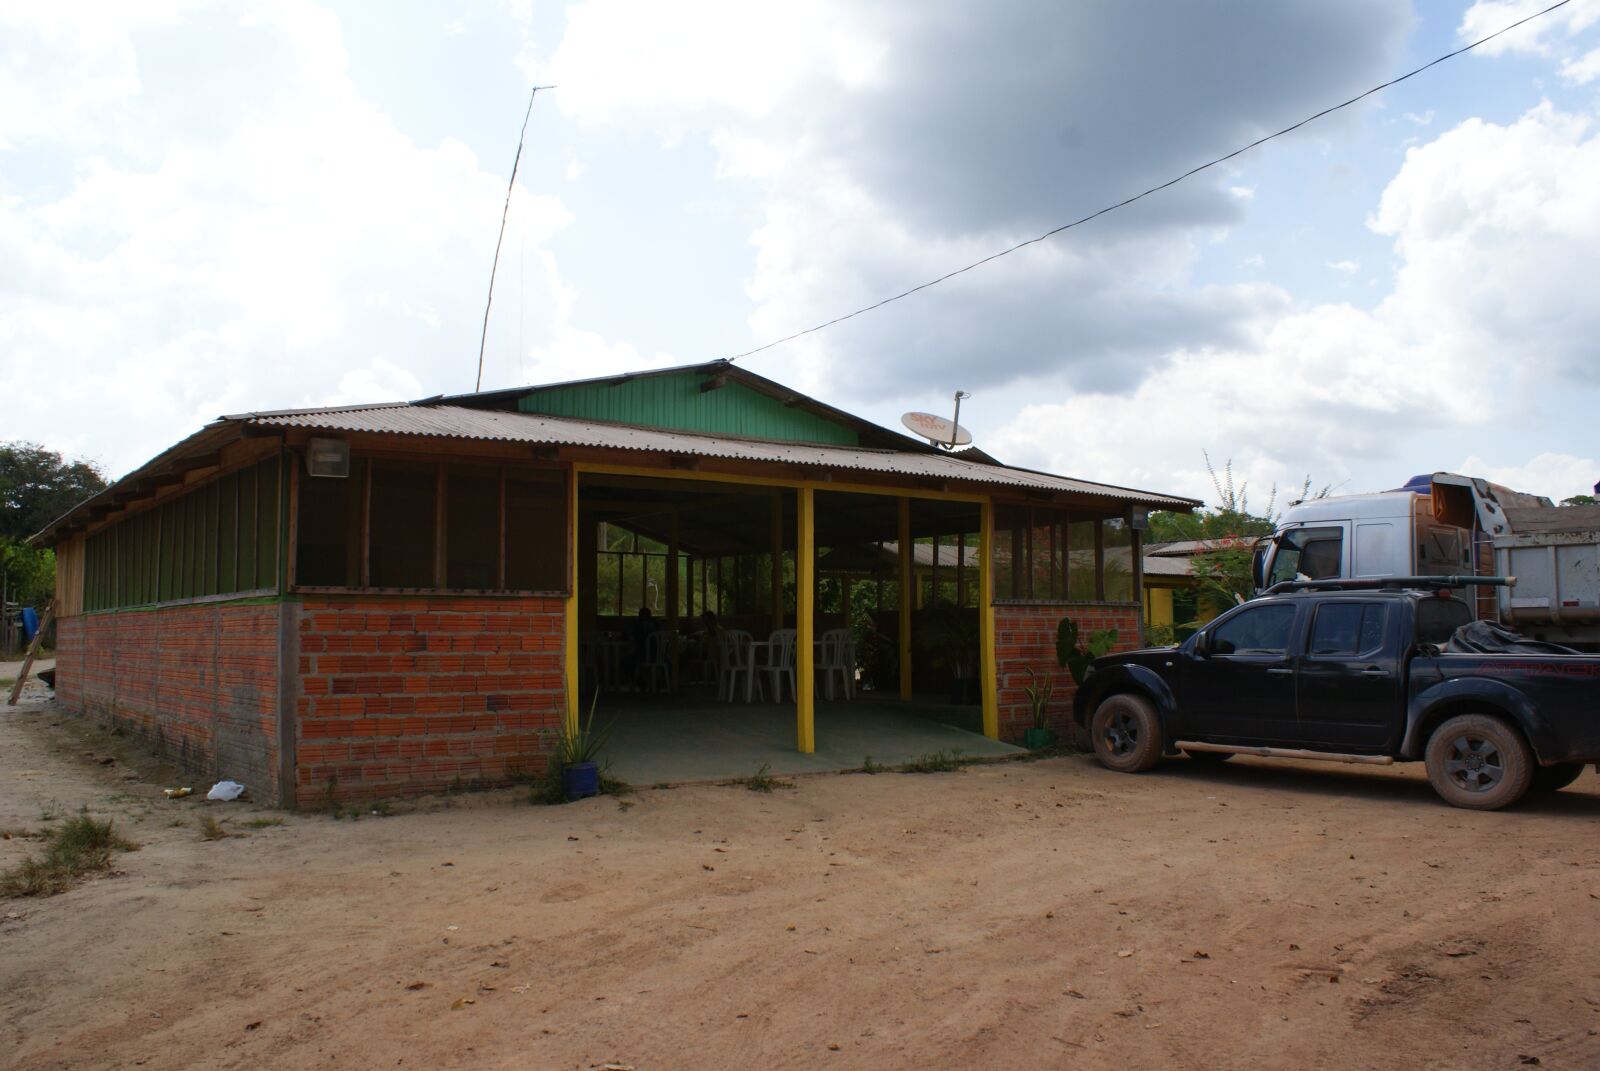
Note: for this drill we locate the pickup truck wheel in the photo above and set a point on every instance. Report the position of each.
(1555, 778)
(1480, 762)
(1126, 734)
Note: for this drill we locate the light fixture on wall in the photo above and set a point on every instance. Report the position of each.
(328, 457)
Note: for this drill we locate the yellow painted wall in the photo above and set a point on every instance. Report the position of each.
(1158, 606)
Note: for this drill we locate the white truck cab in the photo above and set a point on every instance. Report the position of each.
(1391, 533)
(1446, 524)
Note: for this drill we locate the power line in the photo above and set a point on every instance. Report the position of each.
(1154, 189)
(503, 213)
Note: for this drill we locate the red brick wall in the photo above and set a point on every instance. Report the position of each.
(410, 694)
(199, 682)
(1025, 637)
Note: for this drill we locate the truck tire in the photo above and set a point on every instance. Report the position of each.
(1555, 778)
(1126, 734)
(1479, 762)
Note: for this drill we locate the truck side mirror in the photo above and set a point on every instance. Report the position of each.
(1202, 644)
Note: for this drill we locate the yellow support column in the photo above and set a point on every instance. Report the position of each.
(905, 556)
(805, 583)
(571, 637)
(777, 562)
(990, 679)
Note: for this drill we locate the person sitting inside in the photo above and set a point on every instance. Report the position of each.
(644, 626)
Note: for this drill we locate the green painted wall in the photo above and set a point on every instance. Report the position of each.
(677, 402)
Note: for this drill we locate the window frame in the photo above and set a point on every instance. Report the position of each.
(508, 470)
(1061, 519)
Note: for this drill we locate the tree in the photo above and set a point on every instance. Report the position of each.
(1581, 500)
(38, 485)
(1227, 533)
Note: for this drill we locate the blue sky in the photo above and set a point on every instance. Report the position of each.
(208, 209)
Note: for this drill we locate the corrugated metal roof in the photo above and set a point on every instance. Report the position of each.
(457, 422)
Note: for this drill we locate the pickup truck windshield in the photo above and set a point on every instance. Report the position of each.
(1314, 553)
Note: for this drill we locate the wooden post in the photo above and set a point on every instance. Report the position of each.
(906, 574)
(804, 650)
(990, 681)
(33, 649)
(570, 645)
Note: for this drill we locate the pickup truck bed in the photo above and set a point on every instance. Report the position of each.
(1355, 676)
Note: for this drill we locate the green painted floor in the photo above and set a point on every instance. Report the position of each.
(673, 739)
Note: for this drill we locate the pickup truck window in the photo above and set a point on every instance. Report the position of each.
(1348, 628)
(1315, 553)
(1257, 630)
(1438, 619)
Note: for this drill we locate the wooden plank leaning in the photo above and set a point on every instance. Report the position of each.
(33, 649)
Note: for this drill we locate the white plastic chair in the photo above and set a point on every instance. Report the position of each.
(837, 659)
(738, 658)
(779, 665)
(655, 671)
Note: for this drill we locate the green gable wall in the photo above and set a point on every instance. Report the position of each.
(677, 402)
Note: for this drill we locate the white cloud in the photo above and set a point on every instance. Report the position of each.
(1425, 119)
(1345, 267)
(1243, 193)
(1541, 37)
(1497, 233)
(1554, 475)
(236, 227)
(1582, 70)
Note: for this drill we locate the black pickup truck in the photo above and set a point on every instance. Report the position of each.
(1352, 672)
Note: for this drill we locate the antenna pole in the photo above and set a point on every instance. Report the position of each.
(516, 161)
(955, 423)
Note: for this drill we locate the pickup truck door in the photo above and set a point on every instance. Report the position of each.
(1349, 684)
(1242, 690)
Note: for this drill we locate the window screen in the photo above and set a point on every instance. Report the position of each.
(402, 524)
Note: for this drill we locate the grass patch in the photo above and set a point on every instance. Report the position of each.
(262, 823)
(1059, 749)
(941, 762)
(210, 828)
(6, 683)
(77, 847)
(760, 781)
(20, 833)
(868, 766)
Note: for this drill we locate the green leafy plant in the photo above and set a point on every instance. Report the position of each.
(761, 780)
(1076, 657)
(1039, 693)
(581, 743)
(1160, 635)
(950, 634)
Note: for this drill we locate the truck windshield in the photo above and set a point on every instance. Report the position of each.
(1312, 553)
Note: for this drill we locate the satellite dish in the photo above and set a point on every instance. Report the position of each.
(937, 429)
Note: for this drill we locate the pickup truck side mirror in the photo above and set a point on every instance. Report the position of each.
(1202, 644)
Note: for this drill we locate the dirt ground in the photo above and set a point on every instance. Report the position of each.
(1251, 915)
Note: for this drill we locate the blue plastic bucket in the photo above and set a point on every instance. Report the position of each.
(580, 780)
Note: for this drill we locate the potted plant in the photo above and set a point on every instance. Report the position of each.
(577, 755)
(950, 635)
(1078, 658)
(1038, 693)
